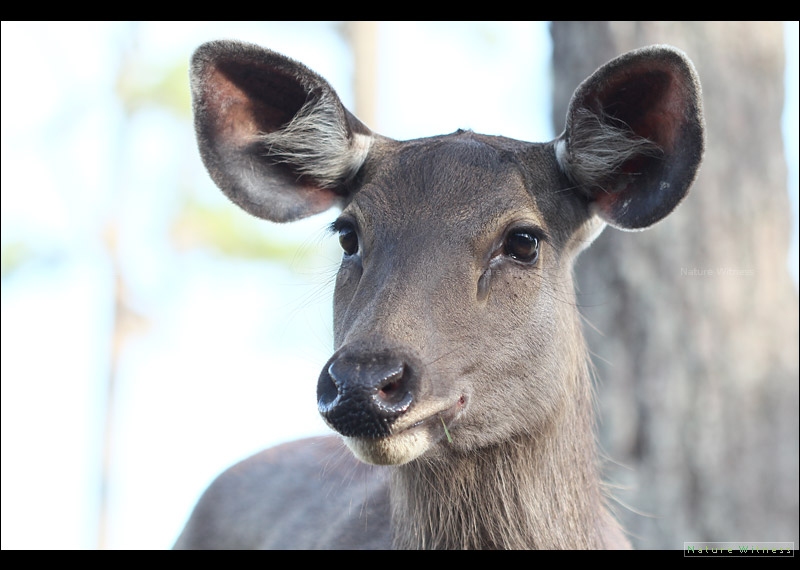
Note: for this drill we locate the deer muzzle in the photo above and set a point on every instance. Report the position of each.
(362, 394)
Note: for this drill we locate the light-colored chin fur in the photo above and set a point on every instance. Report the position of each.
(393, 450)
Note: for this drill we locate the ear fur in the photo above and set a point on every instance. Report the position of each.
(634, 137)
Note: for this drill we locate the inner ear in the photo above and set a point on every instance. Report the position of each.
(272, 133)
(634, 136)
(646, 101)
(251, 100)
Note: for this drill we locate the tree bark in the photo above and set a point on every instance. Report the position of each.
(693, 324)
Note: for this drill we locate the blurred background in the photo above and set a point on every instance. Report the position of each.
(153, 334)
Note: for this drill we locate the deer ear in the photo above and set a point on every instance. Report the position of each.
(634, 136)
(273, 134)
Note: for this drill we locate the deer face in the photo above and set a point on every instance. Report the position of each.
(455, 282)
(455, 321)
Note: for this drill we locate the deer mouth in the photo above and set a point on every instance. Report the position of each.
(406, 443)
(440, 421)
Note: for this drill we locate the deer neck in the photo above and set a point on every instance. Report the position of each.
(535, 491)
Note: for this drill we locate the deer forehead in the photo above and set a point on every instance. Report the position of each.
(462, 188)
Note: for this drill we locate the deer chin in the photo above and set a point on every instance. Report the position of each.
(391, 450)
(406, 443)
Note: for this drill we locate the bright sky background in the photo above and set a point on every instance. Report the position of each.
(225, 353)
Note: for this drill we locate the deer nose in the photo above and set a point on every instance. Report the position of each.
(361, 395)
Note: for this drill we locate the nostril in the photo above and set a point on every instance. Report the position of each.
(327, 390)
(392, 391)
(387, 391)
(391, 381)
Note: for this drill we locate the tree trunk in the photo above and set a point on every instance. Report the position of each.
(694, 324)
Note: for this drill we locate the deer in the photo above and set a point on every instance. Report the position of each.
(460, 387)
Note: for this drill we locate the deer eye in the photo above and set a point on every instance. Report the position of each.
(522, 245)
(348, 239)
